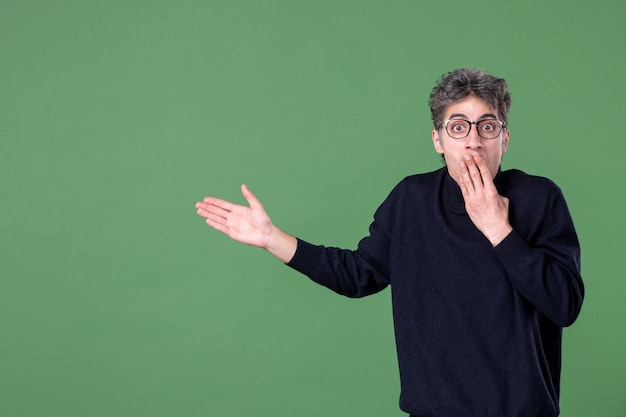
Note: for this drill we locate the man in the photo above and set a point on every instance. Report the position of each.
(484, 264)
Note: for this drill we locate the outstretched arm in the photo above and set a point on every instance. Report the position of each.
(249, 225)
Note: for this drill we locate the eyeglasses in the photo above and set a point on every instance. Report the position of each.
(486, 128)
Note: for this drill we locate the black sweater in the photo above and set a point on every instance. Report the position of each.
(478, 328)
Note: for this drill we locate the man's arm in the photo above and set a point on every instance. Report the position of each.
(346, 272)
(249, 225)
(547, 274)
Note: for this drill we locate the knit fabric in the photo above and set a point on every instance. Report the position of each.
(478, 328)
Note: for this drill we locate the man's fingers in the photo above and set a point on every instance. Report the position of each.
(474, 170)
(217, 209)
(468, 173)
(218, 202)
(216, 222)
(476, 174)
(484, 172)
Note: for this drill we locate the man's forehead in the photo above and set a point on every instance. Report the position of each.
(470, 104)
(464, 115)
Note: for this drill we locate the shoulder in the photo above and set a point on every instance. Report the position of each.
(410, 191)
(424, 181)
(517, 180)
(530, 190)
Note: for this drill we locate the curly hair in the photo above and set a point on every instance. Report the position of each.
(463, 82)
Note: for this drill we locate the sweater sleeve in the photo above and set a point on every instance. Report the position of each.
(547, 272)
(353, 273)
(346, 272)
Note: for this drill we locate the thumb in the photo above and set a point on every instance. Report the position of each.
(252, 200)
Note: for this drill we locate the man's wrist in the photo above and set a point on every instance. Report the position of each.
(498, 237)
(282, 245)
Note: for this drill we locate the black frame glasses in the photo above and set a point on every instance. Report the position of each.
(482, 127)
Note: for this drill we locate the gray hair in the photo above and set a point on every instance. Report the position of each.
(463, 82)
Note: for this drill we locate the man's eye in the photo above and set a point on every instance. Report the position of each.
(458, 127)
(488, 126)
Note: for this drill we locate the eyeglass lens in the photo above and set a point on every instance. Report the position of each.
(460, 128)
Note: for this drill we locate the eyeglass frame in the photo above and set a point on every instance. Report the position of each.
(446, 122)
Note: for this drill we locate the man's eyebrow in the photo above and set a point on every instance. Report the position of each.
(483, 117)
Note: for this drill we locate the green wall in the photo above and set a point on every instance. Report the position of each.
(117, 116)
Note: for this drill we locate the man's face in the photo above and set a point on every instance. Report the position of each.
(453, 150)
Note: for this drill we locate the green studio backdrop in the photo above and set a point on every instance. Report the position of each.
(116, 117)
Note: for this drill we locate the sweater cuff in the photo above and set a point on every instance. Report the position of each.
(512, 247)
(306, 258)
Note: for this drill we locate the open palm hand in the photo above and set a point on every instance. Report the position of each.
(250, 225)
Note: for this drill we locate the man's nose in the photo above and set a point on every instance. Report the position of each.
(473, 140)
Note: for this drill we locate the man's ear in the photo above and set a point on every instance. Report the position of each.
(437, 141)
(505, 141)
